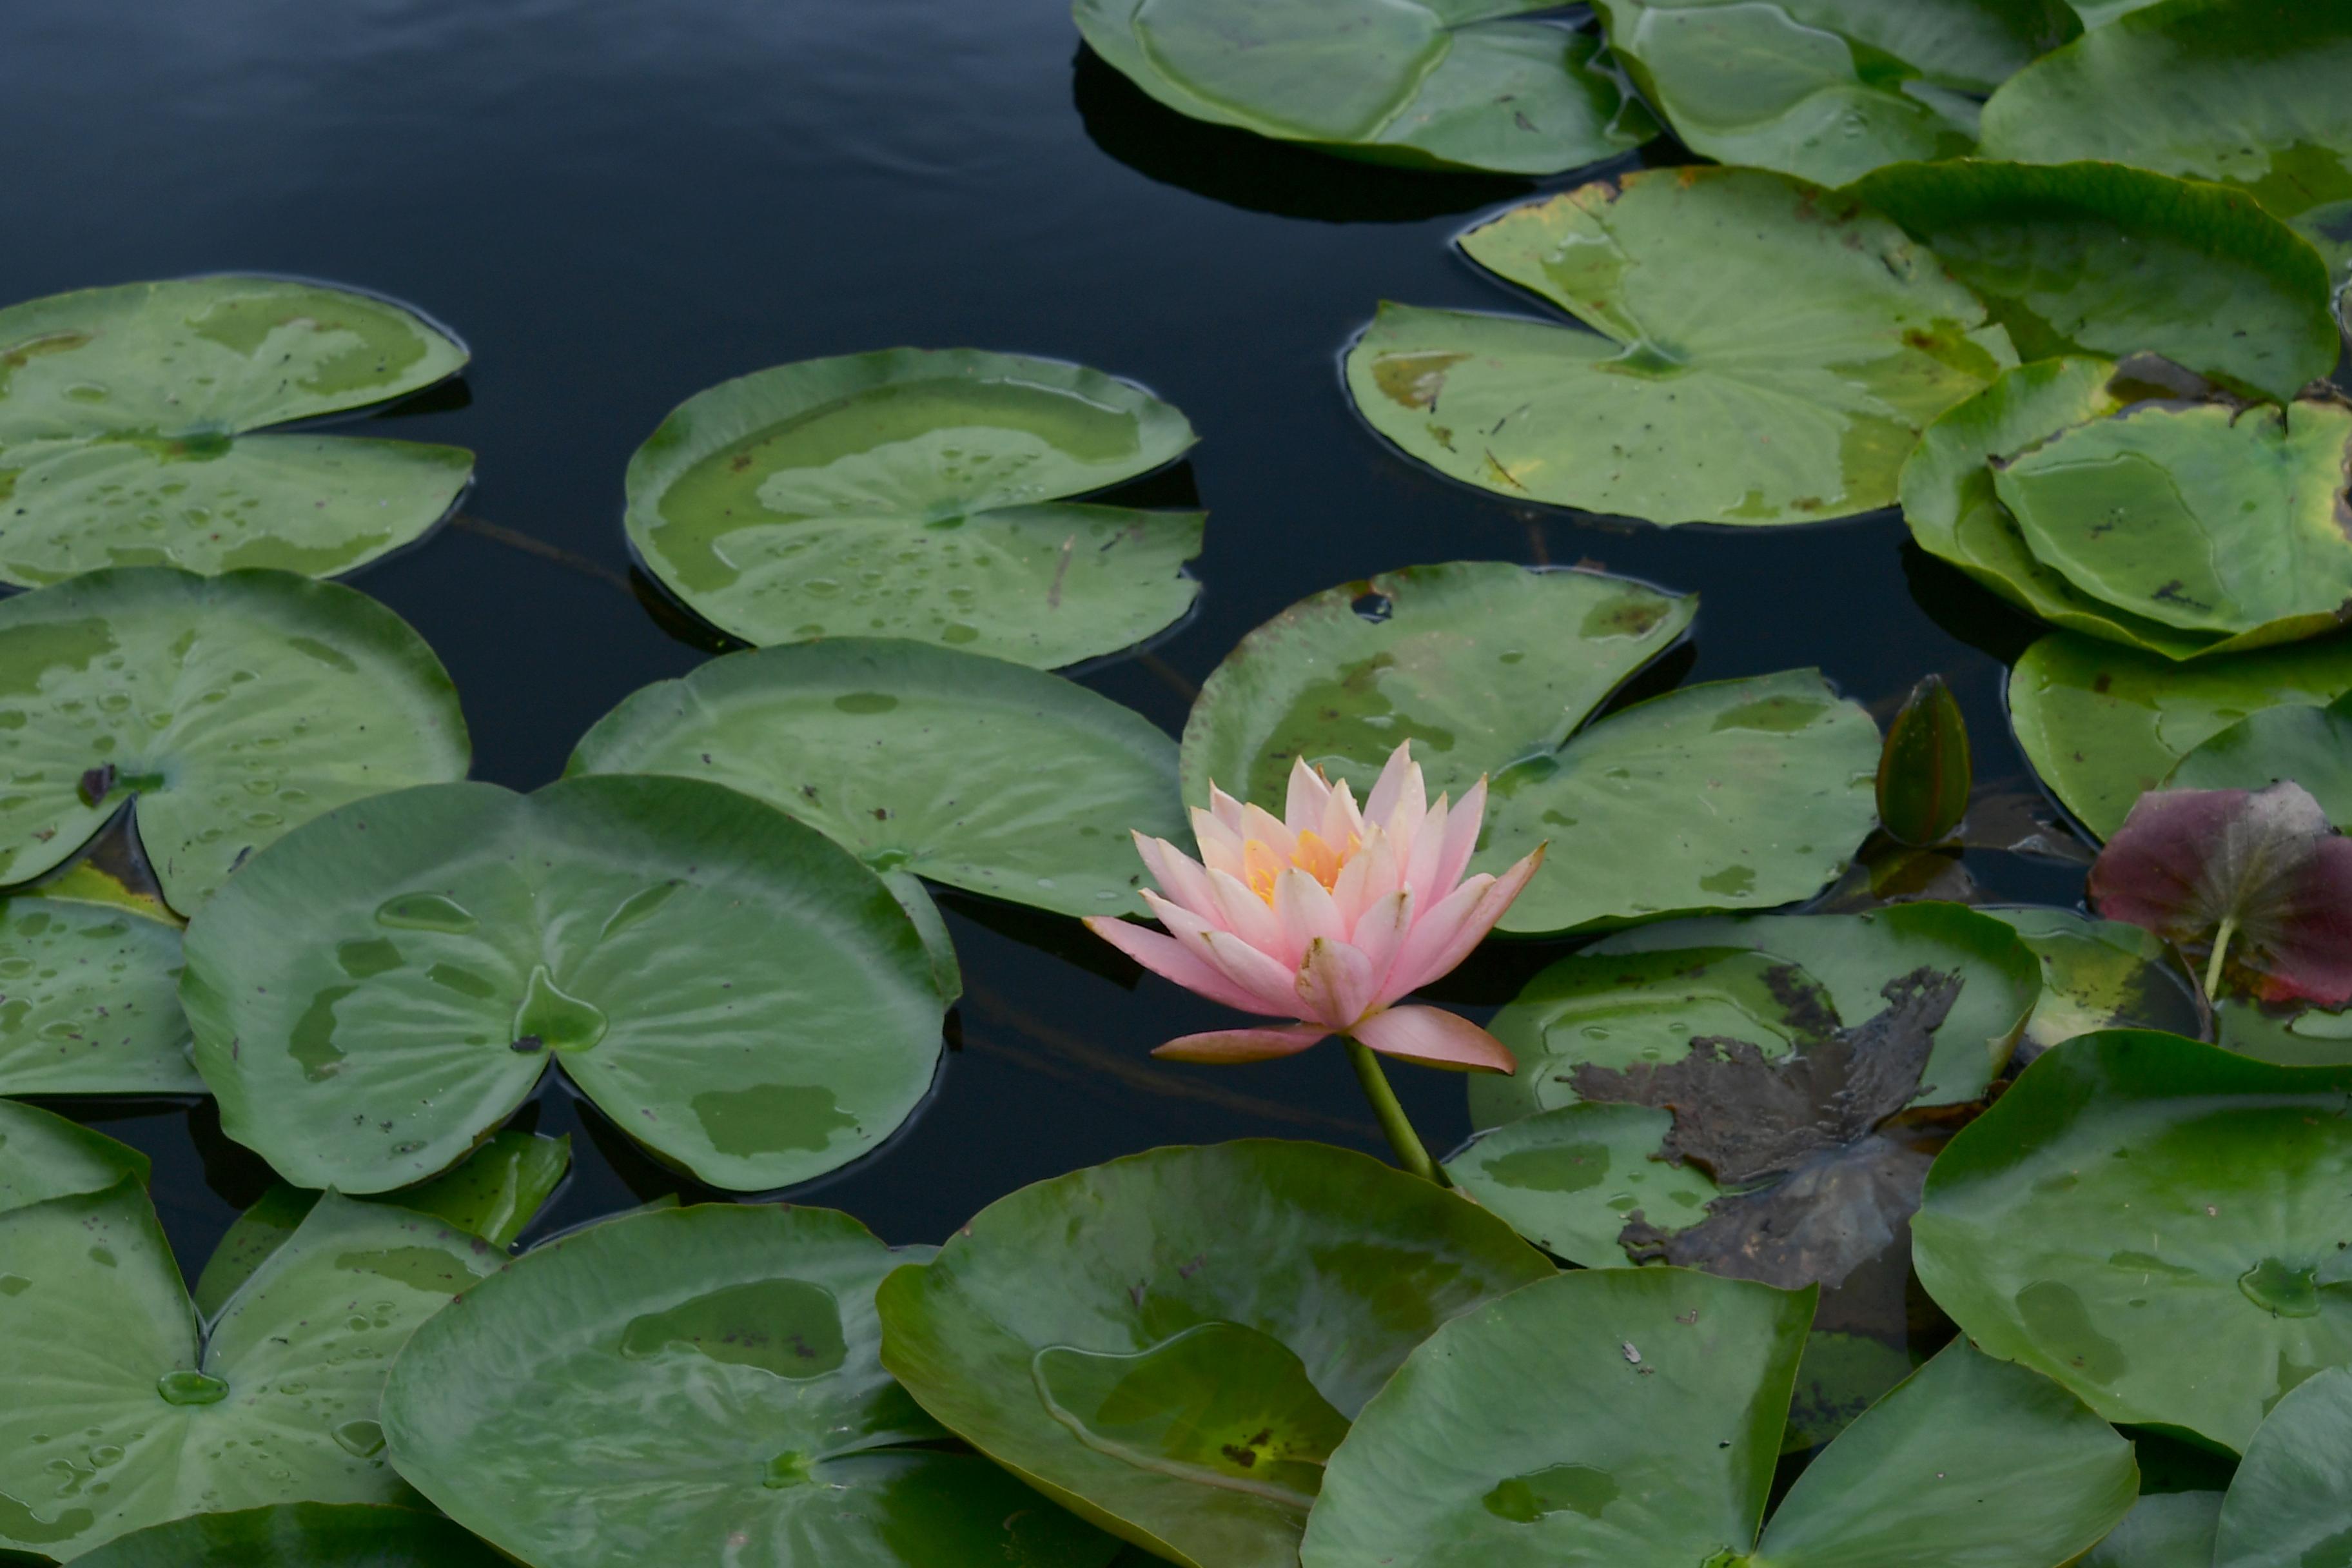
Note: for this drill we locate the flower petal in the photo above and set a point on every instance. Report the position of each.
(1246, 966)
(1427, 960)
(1381, 935)
(1269, 830)
(1342, 824)
(1180, 876)
(1220, 841)
(1171, 960)
(1223, 1046)
(1248, 917)
(1434, 1037)
(1277, 995)
(1302, 807)
(1421, 859)
(1435, 928)
(1335, 983)
(1224, 808)
(1306, 912)
(1399, 775)
(1372, 875)
(1462, 823)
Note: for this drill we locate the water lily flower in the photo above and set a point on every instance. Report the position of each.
(1327, 915)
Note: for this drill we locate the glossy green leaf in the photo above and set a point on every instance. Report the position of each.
(1680, 406)
(2097, 259)
(45, 1156)
(1172, 1343)
(1828, 89)
(2157, 1224)
(2246, 92)
(127, 418)
(2208, 516)
(2164, 1530)
(377, 992)
(123, 1416)
(299, 1535)
(917, 494)
(1459, 84)
(1568, 1179)
(1741, 794)
(968, 771)
(2102, 974)
(2290, 1504)
(232, 708)
(2289, 1035)
(2102, 725)
(701, 1385)
(1924, 771)
(1633, 1418)
(2309, 746)
(90, 1001)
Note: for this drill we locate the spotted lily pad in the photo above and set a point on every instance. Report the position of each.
(1828, 89)
(1172, 1343)
(1742, 794)
(2102, 974)
(124, 1415)
(971, 772)
(299, 1535)
(701, 1385)
(2155, 1223)
(378, 991)
(1676, 408)
(2246, 92)
(917, 494)
(2099, 258)
(1633, 1417)
(2102, 724)
(90, 1000)
(1456, 84)
(232, 709)
(129, 419)
(45, 1156)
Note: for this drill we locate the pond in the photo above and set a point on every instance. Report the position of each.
(616, 206)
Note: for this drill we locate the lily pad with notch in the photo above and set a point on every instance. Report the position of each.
(985, 775)
(2104, 724)
(45, 1156)
(374, 993)
(231, 709)
(2101, 258)
(702, 1383)
(1441, 84)
(1635, 1416)
(2157, 1224)
(89, 999)
(133, 429)
(1171, 1344)
(299, 1535)
(2311, 747)
(1740, 793)
(1677, 407)
(920, 494)
(2102, 974)
(1828, 89)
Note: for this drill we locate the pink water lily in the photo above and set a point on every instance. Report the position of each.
(1327, 915)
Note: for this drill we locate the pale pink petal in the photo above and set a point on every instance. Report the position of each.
(1227, 1045)
(1341, 821)
(1303, 808)
(1248, 917)
(1428, 848)
(1461, 835)
(1404, 820)
(1276, 984)
(1398, 774)
(1171, 960)
(1365, 880)
(1381, 935)
(1224, 808)
(1434, 1037)
(1335, 983)
(1419, 959)
(1439, 957)
(1306, 911)
(1269, 830)
(1276, 994)
(1220, 841)
(1178, 875)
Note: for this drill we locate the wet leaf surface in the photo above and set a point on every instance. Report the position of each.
(299, 1535)
(2102, 974)
(90, 1000)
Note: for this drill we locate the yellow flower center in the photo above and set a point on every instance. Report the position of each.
(1262, 863)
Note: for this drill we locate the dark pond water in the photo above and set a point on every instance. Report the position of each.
(618, 204)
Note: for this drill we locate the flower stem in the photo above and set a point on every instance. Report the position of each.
(2220, 949)
(1410, 1151)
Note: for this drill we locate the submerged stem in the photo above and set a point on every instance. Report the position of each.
(2220, 949)
(1410, 1151)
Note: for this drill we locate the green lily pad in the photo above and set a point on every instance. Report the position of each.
(90, 1000)
(45, 1156)
(299, 1535)
(2289, 1034)
(1171, 1344)
(2102, 974)
(2103, 725)
(2099, 258)
(2290, 1504)
(2310, 746)
(232, 708)
(701, 1385)
(2210, 518)
(1742, 794)
(917, 494)
(2164, 1530)
(2246, 92)
(1635, 1417)
(735, 991)
(2157, 1224)
(128, 419)
(982, 774)
(124, 1415)
(1827, 89)
(495, 1194)
(1676, 409)
(1445, 84)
